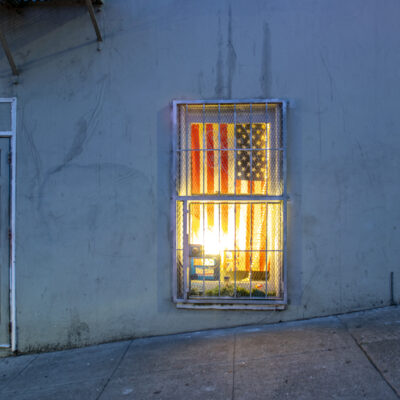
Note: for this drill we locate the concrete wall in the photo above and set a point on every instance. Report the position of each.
(94, 154)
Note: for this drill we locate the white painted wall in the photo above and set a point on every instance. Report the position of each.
(94, 139)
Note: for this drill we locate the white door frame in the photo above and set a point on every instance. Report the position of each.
(12, 136)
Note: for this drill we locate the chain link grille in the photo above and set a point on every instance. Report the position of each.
(235, 247)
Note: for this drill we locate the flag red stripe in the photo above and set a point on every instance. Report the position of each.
(263, 238)
(224, 176)
(224, 158)
(210, 172)
(195, 174)
(249, 229)
(210, 158)
(195, 136)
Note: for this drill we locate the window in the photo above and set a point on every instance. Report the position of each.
(229, 204)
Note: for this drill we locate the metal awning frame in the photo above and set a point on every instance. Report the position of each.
(9, 56)
(6, 47)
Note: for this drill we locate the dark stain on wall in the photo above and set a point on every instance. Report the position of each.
(78, 141)
(35, 154)
(265, 74)
(219, 85)
(231, 56)
(200, 83)
(79, 331)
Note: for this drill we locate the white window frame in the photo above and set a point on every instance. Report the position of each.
(235, 303)
(11, 134)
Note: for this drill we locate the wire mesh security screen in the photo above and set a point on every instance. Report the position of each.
(230, 201)
(235, 249)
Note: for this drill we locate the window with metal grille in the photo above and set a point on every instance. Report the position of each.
(229, 203)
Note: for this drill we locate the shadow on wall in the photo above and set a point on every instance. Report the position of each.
(163, 204)
(23, 26)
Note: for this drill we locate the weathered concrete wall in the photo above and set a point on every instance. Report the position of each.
(94, 152)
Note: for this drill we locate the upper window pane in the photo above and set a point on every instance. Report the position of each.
(229, 149)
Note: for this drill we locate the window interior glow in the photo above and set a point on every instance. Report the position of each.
(234, 248)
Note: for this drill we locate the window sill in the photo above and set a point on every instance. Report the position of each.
(227, 306)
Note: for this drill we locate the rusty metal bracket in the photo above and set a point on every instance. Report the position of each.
(94, 20)
(10, 59)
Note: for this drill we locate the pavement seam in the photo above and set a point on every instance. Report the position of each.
(371, 361)
(18, 373)
(291, 354)
(114, 370)
(233, 366)
(51, 387)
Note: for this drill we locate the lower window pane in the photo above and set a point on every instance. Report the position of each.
(235, 250)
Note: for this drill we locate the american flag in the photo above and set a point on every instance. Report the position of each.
(218, 175)
(250, 158)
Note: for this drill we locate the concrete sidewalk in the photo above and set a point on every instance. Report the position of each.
(353, 356)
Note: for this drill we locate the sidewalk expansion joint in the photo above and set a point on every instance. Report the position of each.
(371, 361)
(19, 373)
(233, 366)
(114, 370)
